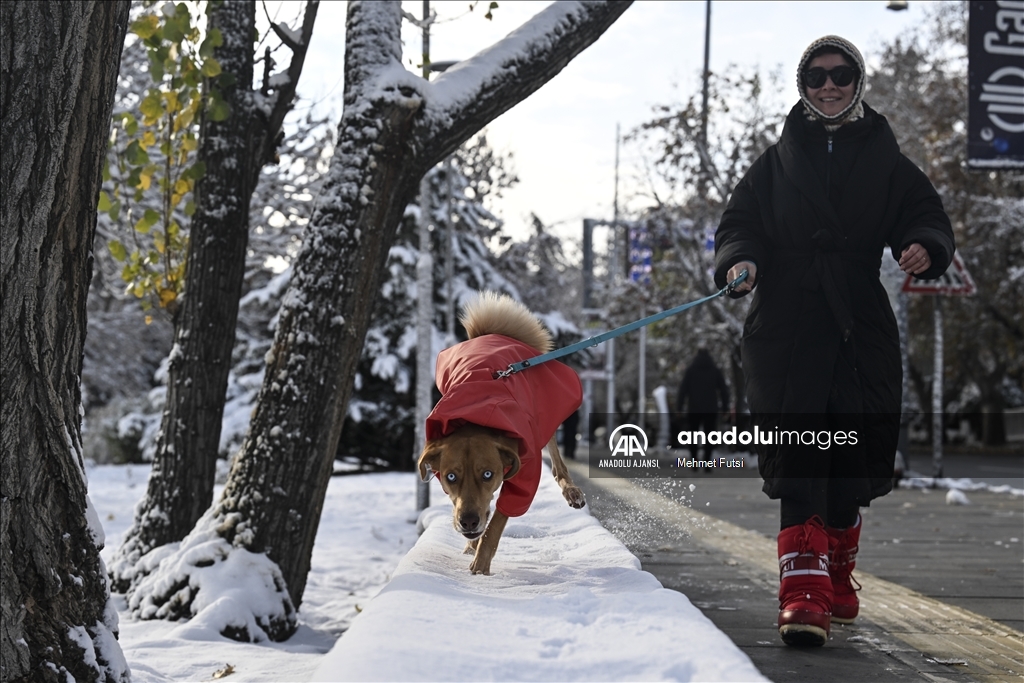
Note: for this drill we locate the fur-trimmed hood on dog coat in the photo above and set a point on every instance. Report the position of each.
(527, 406)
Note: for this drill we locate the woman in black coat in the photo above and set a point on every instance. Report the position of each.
(820, 349)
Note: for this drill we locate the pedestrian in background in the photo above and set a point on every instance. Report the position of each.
(701, 393)
(820, 346)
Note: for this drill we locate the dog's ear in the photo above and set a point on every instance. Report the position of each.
(510, 460)
(429, 459)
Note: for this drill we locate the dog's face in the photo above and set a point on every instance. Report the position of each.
(471, 464)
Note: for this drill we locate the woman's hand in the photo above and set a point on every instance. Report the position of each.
(735, 272)
(915, 259)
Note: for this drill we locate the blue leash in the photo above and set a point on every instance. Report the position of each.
(513, 368)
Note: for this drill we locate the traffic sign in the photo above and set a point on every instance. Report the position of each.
(956, 281)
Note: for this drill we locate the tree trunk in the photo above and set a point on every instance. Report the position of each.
(59, 69)
(180, 487)
(392, 131)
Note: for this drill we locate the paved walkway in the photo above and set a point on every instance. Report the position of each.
(943, 596)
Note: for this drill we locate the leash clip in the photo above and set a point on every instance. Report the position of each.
(502, 374)
(731, 287)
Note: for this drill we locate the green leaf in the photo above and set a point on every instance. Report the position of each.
(104, 203)
(219, 110)
(174, 31)
(211, 68)
(152, 105)
(148, 220)
(131, 125)
(136, 154)
(191, 77)
(117, 250)
(195, 171)
(214, 39)
(115, 210)
(190, 208)
(156, 66)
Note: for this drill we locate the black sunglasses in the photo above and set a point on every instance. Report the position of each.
(840, 75)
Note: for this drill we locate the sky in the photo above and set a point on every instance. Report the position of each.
(563, 137)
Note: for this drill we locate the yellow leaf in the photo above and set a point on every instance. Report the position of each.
(149, 320)
(189, 142)
(145, 180)
(148, 139)
(184, 119)
(167, 296)
(171, 98)
(181, 186)
(146, 26)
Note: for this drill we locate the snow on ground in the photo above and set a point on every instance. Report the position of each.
(364, 531)
(566, 601)
(919, 481)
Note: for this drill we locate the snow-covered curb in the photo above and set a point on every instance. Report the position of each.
(567, 601)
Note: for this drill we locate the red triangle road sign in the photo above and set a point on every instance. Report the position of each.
(956, 281)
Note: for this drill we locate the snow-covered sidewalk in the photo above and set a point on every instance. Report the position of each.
(566, 601)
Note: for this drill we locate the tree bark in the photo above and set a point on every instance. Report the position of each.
(394, 128)
(180, 487)
(59, 69)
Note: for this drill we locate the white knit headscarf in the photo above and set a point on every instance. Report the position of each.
(855, 109)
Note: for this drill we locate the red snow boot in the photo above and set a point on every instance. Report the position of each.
(842, 558)
(805, 590)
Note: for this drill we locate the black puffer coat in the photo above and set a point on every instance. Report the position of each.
(814, 213)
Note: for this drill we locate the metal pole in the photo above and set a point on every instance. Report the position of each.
(616, 271)
(425, 305)
(642, 379)
(707, 74)
(937, 390)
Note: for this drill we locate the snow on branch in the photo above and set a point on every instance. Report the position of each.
(483, 87)
(287, 81)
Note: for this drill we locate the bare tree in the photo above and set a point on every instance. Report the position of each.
(233, 151)
(59, 66)
(394, 128)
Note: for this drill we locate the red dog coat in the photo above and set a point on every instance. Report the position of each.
(527, 406)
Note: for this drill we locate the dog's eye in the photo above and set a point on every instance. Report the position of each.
(450, 477)
(488, 474)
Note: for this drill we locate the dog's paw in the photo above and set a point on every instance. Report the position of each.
(574, 496)
(480, 565)
(471, 547)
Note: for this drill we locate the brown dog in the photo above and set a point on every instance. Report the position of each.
(488, 432)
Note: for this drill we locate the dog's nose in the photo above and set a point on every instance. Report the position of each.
(469, 521)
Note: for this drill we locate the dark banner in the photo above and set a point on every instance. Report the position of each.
(995, 135)
(676, 445)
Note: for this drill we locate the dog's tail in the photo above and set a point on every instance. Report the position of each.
(493, 313)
